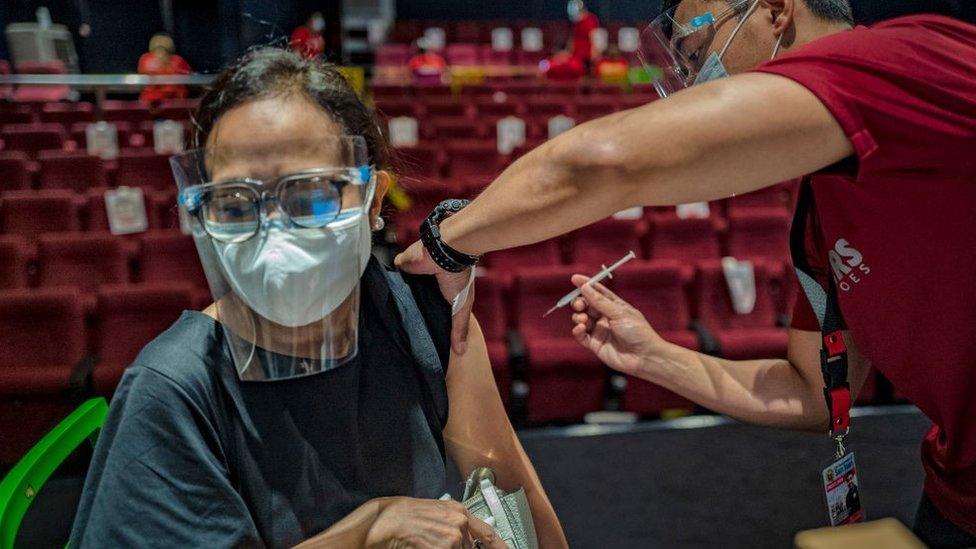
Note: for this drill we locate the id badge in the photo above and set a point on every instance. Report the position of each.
(842, 491)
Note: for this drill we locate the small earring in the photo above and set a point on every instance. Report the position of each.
(379, 224)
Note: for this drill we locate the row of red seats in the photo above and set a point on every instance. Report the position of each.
(64, 112)
(407, 31)
(512, 89)
(50, 344)
(488, 110)
(748, 233)
(47, 135)
(32, 213)
(87, 261)
(565, 381)
(79, 171)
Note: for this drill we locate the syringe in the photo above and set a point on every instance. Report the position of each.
(607, 272)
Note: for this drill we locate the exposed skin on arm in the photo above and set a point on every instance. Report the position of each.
(727, 137)
(775, 393)
(478, 433)
(771, 392)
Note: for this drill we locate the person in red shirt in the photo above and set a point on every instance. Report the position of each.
(427, 67)
(585, 23)
(880, 122)
(161, 60)
(307, 39)
(563, 66)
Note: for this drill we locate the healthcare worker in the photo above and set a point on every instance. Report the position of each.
(310, 401)
(880, 121)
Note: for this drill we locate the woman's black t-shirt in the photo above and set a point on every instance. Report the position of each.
(191, 456)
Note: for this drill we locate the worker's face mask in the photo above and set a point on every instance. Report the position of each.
(318, 24)
(677, 55)
(283, 255)
(575, 10)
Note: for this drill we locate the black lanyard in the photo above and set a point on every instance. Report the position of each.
(833, 354)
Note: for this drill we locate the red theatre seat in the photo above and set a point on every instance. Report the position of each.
(168, 257)
(396, 107)
(129, 317)
(474, 159)
(67, 113)
(82, 260)
(42, 334)
(31, 138)
(36, 94)
(425, 194)
(548, 106)
(126, 111)
(489, 109)
(455, 127)
(777, 196)
(19, 115)
(657, 290)
(14, 171)
(462, 55)
(445, 108)
(30, 213)
(606, 241)
(144, 168)
(686, 240)
(759, 233)
(565, 381)
(392, 55)
(540, 254)
(15, 256)
(740, 337)
(390, 91)
(74, 170)
(420, 161)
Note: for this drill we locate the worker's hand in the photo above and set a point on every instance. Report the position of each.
(416, 260)
(612, 329)
(409, 522)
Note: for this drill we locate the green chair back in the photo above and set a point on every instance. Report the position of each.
(24, 481)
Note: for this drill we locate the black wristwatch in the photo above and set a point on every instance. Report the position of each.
(446, 257)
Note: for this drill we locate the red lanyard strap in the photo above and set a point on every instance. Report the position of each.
(833, 354)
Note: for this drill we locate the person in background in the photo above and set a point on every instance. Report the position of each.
(307, 39)
(612, 67)
(161, 60)
(427, 67)
(563, 66)
(585, 23)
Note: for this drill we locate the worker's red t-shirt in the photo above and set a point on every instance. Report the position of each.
(897, 224)
(307, 42)
(582, 43)
(151, 64)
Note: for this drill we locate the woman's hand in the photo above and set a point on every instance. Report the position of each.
(416, 260)
(409, 522)
(612, 329)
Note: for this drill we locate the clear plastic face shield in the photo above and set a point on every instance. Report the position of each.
(284, 238)
(681, 50)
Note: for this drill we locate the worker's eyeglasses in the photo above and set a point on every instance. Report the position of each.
(232, 211)
(674, 52)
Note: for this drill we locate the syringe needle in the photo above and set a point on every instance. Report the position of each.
(604, 273)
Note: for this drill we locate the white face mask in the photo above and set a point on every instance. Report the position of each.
(575, 10)
(318, 25)
(294, 279)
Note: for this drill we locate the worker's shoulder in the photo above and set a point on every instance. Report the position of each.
(188, 358)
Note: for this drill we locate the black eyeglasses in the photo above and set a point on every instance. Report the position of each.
(230, 211)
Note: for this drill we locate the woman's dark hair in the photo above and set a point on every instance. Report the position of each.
(267, 71)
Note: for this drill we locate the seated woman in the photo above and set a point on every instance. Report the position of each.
(310, 401)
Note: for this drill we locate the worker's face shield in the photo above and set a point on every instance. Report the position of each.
(676, 50)
(284, 238)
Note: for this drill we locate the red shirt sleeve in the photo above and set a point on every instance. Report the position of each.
(178, 65)
(890, 85)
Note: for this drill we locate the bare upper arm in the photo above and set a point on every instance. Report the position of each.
(804, 355)
(730, 136)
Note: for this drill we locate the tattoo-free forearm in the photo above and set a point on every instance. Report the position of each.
(769, 392)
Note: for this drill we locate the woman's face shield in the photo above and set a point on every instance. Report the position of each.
(680, 48)
(283, 235)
